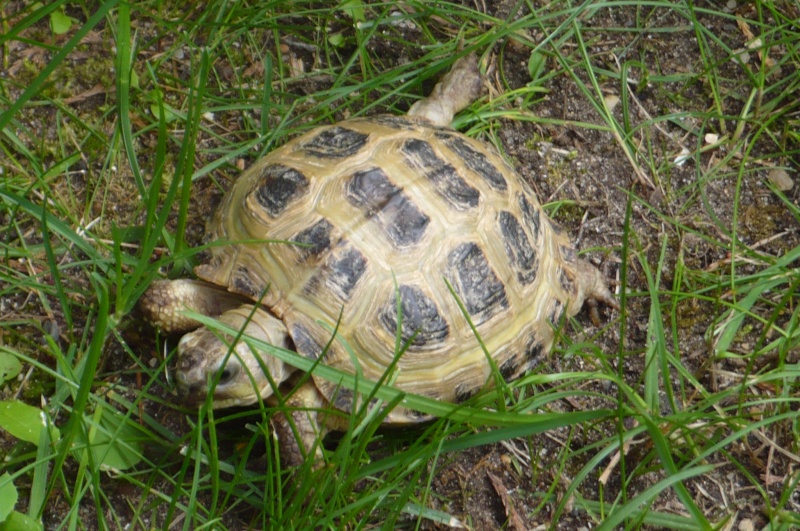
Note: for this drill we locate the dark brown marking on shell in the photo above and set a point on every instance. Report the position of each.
(247, 284)
(343, 399)
(508, 369)
(336, 142)
(533, 350)
(304, 342)
(418, 415)
(316, 239)
(465, 391)
(278, 186)
(402, 123)
(518, 247)
(398, 216)
(389, 120)
(421, 319)
(475, 282)
(557, 312)
(530, 215)
(342, 270)
(475, 160)
(420, 156)
(374, 403)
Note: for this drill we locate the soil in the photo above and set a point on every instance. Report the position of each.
(598, 190)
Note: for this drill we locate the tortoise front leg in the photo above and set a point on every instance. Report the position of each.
(298, 429)
(164, 301)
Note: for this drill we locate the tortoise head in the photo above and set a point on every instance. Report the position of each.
(210, 361)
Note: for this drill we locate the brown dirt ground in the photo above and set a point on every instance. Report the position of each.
(566, 163)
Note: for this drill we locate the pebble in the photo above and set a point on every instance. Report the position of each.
(780, 178)
(746, 525)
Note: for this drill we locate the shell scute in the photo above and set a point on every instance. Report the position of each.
(420, 156)
(339, 274)
(343, 399)
(509, 368)
(533, 349)
(520, 252)
(464, 391)
(245, 283)
(399, 218)
(531, 216)
(475, 159)
(314, 240)
(335, 142)
(476, 283)
(277, 187)
(421, 321)
(304, 341)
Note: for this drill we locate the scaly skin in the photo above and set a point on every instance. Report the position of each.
(165, 301)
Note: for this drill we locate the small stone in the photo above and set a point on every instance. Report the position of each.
(746, 525)
(780, 178)
(711, 138)
(681, 159)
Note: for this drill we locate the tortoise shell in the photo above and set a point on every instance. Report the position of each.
(389, 213)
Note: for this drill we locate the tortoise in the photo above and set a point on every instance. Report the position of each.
(384, 213)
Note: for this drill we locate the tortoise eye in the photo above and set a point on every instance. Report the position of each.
(227, 374)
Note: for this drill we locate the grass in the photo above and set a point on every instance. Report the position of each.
(680, 412)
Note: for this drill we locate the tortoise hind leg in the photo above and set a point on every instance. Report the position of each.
(593, 290)
(460, 87)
